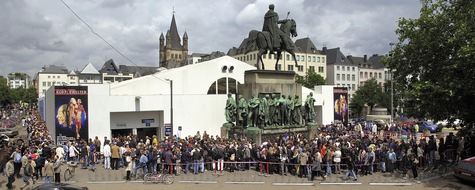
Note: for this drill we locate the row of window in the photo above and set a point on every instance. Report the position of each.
(362, 83)
(287, 57)
(345, 77)
(376, 75)
(351, 87)
(347, 68)
(49, 76)
(176, 56)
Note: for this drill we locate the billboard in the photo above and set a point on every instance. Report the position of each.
(340, 111)
(71, 108)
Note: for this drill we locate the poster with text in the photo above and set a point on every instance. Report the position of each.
(71, 108)
(340, 111)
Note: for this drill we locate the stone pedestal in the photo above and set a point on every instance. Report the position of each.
(313, 129)
(260, 83)
(225, 129)
(254, 133)
(263, 82)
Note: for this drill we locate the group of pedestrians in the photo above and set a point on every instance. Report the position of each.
(351, 152)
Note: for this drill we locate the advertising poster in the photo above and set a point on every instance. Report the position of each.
(71, 113)
(340, 111)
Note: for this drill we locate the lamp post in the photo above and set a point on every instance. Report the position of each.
(171, 106)
(392, 88)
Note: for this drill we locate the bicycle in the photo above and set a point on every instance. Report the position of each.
(70, 172)
(140, 174)
(445, 167)
(163, 177)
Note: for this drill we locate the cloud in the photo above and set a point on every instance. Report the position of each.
(38, 33)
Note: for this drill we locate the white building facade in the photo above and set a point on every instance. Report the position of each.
(199, 98)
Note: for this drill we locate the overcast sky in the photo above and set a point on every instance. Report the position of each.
(35, 33)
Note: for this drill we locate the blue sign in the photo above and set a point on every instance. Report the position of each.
(179, 128)
(168, 130)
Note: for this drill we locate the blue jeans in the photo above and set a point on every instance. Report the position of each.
(196, 166)
(329, 169)
(432, 156)
(187, 167)
(49, 179)
(141, 165)
(348, 173)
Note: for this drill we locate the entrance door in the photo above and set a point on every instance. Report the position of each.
(121, 132)
(142, 132)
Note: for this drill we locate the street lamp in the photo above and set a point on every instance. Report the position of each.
(171, 106)
(392, 88)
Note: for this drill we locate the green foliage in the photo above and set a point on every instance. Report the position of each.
(310, 80)
(9, 96)
(370, 94)
(356, 105)
(4, 92)
(433, 60)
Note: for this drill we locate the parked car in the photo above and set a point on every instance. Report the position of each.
(465, 170)
(4, 139)
(54, 186)
(9, 132)
(433, 128)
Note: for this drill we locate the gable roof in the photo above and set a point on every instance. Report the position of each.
(137, 70)
(109, 67)
(89, 69)
(376, 60)
(335, 57)
(305, 45)
(53, 69)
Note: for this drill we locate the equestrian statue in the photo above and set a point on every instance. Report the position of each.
(273, 38)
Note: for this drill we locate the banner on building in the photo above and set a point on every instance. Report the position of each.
(71, 108)
(340, 111)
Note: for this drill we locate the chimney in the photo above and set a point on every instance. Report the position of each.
(365, 58)
(324, 50)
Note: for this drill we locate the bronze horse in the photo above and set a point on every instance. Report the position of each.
(289, 27)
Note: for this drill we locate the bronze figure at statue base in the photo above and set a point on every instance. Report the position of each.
(269, 104)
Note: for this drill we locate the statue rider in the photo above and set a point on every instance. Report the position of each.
(271, 25)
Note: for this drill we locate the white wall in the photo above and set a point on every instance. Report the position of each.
(324, 97)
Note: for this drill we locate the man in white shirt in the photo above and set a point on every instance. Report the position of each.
(107, 155)
(73, 152)
(60, 152)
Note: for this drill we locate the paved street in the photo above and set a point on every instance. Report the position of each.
(103, 179)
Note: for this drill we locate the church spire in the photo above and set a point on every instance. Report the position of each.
(174, 36)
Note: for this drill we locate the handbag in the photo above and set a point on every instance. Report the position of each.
(416, 161)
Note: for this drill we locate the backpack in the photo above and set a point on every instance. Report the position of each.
(28, 170)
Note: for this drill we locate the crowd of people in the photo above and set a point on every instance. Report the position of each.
(351, 151)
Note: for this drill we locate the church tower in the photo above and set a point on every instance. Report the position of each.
(172, 53)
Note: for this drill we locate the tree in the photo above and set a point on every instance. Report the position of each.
(356, 105)
(371, 94)
(433, 60)
(4, 92)
(310, 80)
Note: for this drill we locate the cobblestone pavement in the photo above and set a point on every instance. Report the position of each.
(106, 179)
